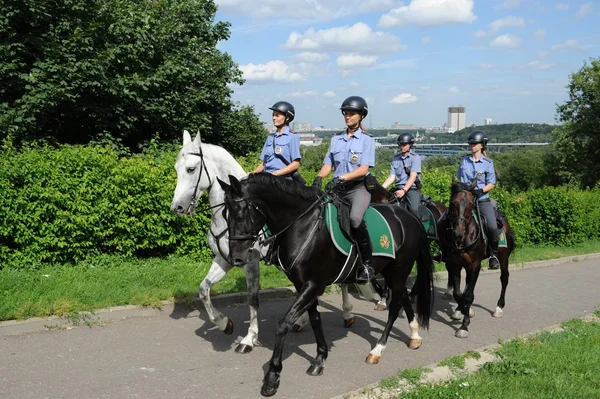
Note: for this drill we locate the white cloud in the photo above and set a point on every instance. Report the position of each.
(397, 64)
(537, 65)
(561, 6)
(508, 4)
(585, 10)
(507, 22)
(540, 34)
(376, 5)
(453, 89)
(272, 71)
(303, 93)
(507, 40)
(329, 94)
(352, 60)
(480, 33)
(567, 45)
(354, 84)
(404, 98)
(429, 13)
(426, 40)
(310, 57)
(356, 38)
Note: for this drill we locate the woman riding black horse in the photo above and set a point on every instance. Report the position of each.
(312, 262)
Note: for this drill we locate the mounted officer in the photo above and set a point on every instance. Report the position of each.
(350, 155)
(479, 166)
(405, 171)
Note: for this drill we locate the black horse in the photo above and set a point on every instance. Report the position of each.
(293, 213)
(382, 196)
(464, 246)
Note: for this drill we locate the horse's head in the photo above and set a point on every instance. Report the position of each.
(193, 177)
(460, 212)
(244, 222)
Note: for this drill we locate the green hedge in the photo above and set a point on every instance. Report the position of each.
(67, 204)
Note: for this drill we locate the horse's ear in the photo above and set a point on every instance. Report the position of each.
(224, 185)
(197, 139)
(186, 138)
(235, 184)
(474, 184)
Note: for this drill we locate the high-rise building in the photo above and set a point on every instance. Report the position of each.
(456, 119)
(487, 121)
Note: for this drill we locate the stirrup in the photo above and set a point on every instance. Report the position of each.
(365, 274)
(494, 263)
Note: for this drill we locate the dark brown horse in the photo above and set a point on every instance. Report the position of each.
(463, 245)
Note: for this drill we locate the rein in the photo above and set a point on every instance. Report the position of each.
(202, 168)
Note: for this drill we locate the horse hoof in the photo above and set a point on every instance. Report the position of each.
(243, 349)
(447, 296)
(297, 328)
(229, 328)
(380, 307)
(471, 312)
(269, 389)
(349, 322)
(415, 343)
(462, 334)
(372, 359)
(315, 370)
(457, 315)
(498, 313)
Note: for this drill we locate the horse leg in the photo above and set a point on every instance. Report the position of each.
(247, 343)
(316, 367)
(449, 287)
(349, 318)
(454, 281)
(306, 297)
(218, 270)
(503, 280)
(468, 297)
(393, 312)
(383, 295)
(415, 338)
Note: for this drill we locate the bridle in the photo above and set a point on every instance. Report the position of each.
(452, 221)
(202, 169)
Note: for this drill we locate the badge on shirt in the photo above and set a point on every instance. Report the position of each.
(278, 150)
(479, 174)
(354, 159)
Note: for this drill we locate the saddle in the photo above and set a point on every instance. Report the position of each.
(425, 215)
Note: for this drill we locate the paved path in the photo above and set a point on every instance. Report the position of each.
(180, 355)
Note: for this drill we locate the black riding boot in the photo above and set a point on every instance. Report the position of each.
(366, 252)
(494, 263)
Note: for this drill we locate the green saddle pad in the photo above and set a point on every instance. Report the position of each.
(379, 231)
(428, 221)
(501, 233)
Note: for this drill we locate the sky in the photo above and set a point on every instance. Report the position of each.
(509, 60)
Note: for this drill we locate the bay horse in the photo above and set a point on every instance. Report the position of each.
(198, 165)
(294, 214)
(464, 246)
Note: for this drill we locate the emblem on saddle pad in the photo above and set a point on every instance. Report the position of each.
(354, 159)
(384, 241)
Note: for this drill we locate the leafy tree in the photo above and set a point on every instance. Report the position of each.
(74, 71)
(578, 140)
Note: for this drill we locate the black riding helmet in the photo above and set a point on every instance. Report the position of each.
(478, 136)
(405, 138)
(285, 108)
(355, 103)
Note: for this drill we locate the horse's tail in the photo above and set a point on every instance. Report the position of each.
(424, 282)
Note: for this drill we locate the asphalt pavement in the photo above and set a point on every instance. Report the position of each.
(178, 353)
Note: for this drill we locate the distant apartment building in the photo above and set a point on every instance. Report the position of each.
(400, 126)
(456, 119)
(301, 127)
(309, 139)
(487, 121)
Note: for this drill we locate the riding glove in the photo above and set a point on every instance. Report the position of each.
(317, 183)
(478, 192)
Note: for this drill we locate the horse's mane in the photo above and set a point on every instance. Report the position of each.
(459, 186)
(284, 185)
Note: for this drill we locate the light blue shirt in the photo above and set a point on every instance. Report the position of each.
(482, 170)
(286, 144)
(347, 154)
(399, 163)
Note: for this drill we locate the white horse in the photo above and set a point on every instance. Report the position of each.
(198, 165)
